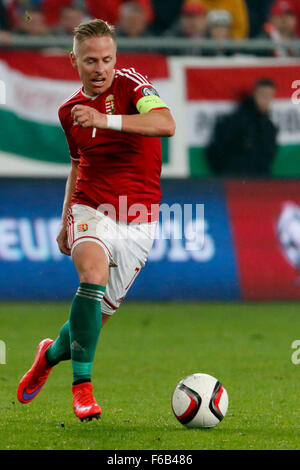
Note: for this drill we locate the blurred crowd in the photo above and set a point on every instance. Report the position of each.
(217, 19)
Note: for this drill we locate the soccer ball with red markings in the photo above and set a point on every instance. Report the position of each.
(200, 401)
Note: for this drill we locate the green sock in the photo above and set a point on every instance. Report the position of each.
(60, 349)
(85, 325)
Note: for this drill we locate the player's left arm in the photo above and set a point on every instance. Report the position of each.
(152, 120)
(154, 123)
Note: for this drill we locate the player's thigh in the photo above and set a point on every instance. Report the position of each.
(130, 257)
(91, 263)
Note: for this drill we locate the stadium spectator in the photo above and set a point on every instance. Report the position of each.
(243, 143)
(70, 17)
(132, 21)
(109, 10)
(16, 9)
(281, 27)
(5, 25)
(258, 13)
(52, 10)
(296, 6)
(219, 28)
(32, 23)
(192, 21)
(238, 10)
(4, 18)
(191, 25)
(166, 13)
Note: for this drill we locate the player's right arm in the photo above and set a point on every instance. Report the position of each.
(62, 239)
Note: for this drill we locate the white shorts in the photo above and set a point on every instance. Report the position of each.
(126, 245)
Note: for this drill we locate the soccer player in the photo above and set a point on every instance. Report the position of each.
(113, 126)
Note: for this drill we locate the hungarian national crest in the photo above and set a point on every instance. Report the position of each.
(110, 104)
(82, 227)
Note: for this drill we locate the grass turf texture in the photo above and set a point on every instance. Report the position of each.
(144, 350)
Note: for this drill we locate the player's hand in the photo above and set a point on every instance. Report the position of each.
(85, 116)
(62, 241)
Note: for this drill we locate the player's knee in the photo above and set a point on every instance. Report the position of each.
(93, 276)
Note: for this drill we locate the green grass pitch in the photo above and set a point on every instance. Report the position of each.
(144, 350)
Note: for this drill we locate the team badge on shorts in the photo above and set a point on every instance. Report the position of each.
(110, 104)
(83, 227)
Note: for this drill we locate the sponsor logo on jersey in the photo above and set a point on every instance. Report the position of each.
(146, 91)
(110, 104)
(83, 227)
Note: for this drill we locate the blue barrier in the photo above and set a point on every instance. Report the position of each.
(174, 272)
(31, 266)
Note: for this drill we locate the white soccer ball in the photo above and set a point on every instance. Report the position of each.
(200, 401)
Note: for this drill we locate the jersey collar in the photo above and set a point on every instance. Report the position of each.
(88, 96)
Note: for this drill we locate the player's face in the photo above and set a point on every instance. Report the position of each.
(95, 59)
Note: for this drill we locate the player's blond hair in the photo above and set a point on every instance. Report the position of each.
(94, 28)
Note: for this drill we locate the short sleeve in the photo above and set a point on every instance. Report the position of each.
(143, 94)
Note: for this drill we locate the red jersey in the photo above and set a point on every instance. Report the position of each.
(113, 164)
